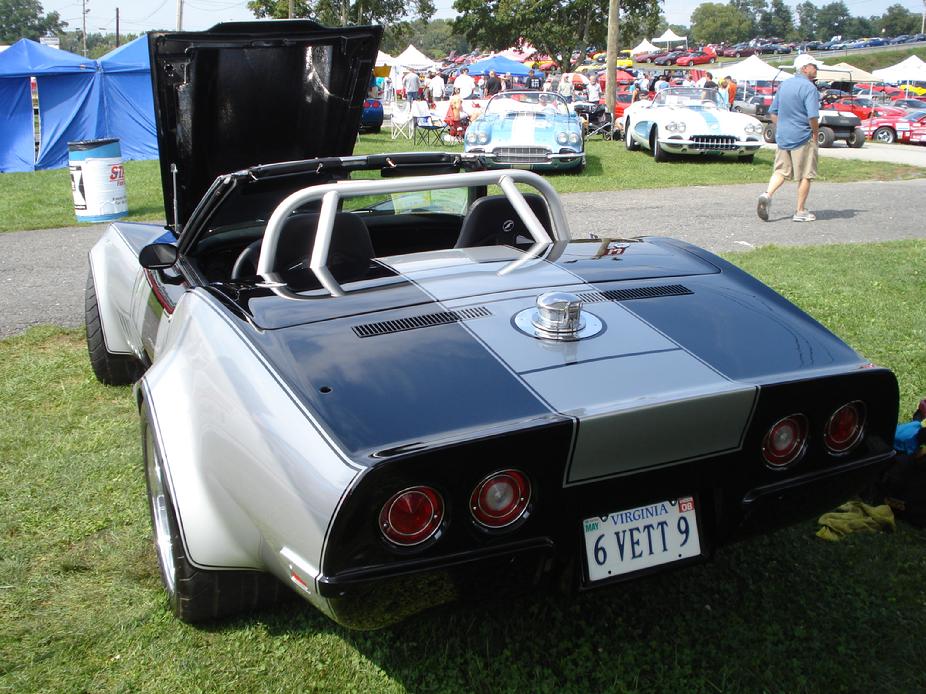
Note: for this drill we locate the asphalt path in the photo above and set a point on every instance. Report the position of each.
(42, 273)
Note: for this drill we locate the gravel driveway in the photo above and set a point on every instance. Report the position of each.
(43, 272)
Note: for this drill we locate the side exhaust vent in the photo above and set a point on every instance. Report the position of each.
(638, 293)
(425, 320)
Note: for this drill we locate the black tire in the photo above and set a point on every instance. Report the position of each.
(111, 369)
(659, 153)
(746, 158)
(825, 137)
(196, 595)
(631, 144)
(885, 135)
(768, 133)
(856, 138)
(712, 61)
(376, 129)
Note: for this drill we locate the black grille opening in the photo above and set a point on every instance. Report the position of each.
(425, 320)
(635, 293)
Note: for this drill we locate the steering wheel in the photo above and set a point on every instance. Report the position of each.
(246, 262)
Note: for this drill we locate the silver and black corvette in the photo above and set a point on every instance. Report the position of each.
(389, 390)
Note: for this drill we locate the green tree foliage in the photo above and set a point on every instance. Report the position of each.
(24, 19)
(776, 20)
(98, 45)
(898, 20)
(832, 20)
(555, 27)
(344, 12)
(715, 23)
(807, 20)
(752, 9)
(436, 39)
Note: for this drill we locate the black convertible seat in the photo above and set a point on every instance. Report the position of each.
(348, 256)
(493, 221)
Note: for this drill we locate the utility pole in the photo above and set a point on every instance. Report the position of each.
(117, 27)
(292, 8)
(923, 22)
(179, 15)
(83, 33)
(610, 85)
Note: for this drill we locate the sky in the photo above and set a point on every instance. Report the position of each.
(137, 16)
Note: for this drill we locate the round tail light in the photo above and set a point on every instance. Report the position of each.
(412, 516)
(501, 499)
(844, 429)
(785, 442)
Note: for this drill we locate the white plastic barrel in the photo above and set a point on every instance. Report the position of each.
(97, 180)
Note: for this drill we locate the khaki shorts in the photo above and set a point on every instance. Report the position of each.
(797, 163)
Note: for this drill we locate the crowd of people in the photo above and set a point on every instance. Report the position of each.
(432, 87)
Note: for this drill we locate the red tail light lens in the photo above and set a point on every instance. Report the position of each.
(844, 429)
(501, 499)
(366, 104)
(785, 442)
(412, 516)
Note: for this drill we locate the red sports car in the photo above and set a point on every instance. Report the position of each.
(896, 125)
(859, 105)
(697, 58)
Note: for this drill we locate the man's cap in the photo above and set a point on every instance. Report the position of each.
(805, 59)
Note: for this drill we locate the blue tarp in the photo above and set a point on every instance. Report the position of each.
(79, 99)
(128, 99)
(500, 64)
(68, 105)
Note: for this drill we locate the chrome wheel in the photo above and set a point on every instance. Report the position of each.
(885, 135)
(160, 513)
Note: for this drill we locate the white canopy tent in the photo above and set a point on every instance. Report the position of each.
(413, 59)
(912, 69)
(752, 69)
(844, 72)
(384, 59)
(643, 47)
(669, 36)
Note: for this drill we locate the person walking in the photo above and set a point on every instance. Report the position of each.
(493, 84)
(437, 87)
(411, 84)
(465, 83)
(795, 113)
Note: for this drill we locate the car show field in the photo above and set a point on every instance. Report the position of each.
(546, 433)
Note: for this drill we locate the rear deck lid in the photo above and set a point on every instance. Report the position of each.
(248, 93)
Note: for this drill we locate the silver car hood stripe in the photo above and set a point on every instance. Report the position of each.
(639, 399)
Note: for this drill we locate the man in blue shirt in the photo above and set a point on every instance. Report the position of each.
(795, 112)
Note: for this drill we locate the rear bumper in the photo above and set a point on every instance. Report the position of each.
(370, 599)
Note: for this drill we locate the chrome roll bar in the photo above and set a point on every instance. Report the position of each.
(331, 194)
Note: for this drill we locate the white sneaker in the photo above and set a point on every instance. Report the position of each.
(804, 216)
(762, 205)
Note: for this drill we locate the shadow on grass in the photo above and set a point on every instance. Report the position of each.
(781, 612)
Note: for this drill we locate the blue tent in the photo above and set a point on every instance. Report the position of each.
(69, 104)
(500, 64)
(128, 99)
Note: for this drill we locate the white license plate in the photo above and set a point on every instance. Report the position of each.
(642, 537)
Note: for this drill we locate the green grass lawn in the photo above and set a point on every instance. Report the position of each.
(83, 609)
(42, 199)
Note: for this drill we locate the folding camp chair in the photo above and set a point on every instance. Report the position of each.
(600, 123)
(428, 128)
(401, 120)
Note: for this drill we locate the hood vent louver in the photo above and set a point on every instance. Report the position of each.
(425, 320)
(637, 293)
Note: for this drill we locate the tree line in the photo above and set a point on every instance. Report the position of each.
(566, 29)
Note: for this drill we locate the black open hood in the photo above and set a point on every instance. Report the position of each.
(248, 93)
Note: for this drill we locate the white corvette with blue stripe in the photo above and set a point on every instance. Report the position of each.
(690, 120)
(527, 129)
